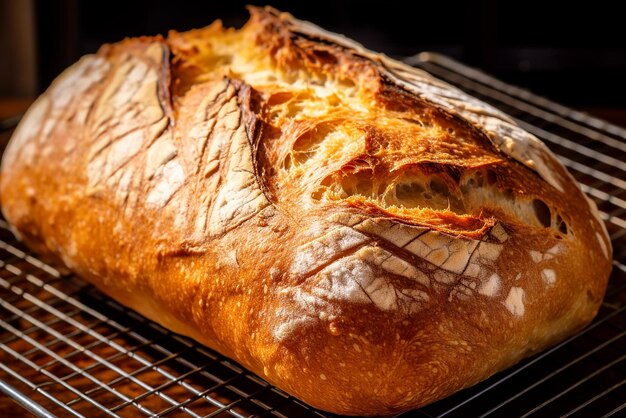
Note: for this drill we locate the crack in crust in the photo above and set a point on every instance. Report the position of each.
(501, 129)
(394, 267)
(134, 142)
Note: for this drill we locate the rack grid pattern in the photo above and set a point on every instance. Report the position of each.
(68, 350)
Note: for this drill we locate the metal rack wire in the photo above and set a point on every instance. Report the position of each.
(68, 350)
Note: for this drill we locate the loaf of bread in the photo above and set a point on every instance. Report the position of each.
(355, 231)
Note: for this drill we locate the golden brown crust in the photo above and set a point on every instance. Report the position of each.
(357, 232)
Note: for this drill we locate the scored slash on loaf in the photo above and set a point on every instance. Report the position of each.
(355, 231)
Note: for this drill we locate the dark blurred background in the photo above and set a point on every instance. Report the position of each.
(572, 53)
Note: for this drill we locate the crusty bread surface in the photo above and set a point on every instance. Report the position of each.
(358, 233)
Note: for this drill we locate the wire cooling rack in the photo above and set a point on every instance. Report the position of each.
(68, 350)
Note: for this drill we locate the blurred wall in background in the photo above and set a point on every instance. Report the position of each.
(18, 49)
(575, 54)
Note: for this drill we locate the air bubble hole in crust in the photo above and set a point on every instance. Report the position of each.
(325, 57)
(279, 98)
(475, 193)
(439, 187)
(406, 190)
(287, 162)
(364, 187)
(308, 143)
(382, 188)
(562, 225)
(542, 212)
